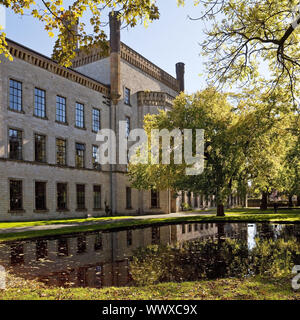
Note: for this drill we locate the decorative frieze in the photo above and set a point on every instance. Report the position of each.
(152, 98)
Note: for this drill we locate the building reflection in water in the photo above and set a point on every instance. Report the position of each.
(99, 259)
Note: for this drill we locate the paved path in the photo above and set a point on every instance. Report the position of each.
(87, 223)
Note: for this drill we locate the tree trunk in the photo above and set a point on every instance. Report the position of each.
(290, 201)
(220, 210)
(264, 201)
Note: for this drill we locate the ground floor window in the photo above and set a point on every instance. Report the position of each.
(97, 197)
(154, 199)
(40, 195)
(16, 195)
(128, 198)
(62, 196)
(80, 192)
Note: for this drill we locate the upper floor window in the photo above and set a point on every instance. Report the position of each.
(61, 109)
(79, 115)
(96, 120)
(40, 148)
(39, 103)
(96, 164)
(127, 96)
(15, 95)
(79, 157)
(15, 144)
(61, 152)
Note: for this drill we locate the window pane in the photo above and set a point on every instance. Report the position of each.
(97, 197)
(96, 164)
(127, 96)
(79, 115)
(80, 191)
(15, 144)
(15, 95)
(39, 103)
(96, 120)
(60, 109)
(40, 148)
(16, 197)
(61, 152)
(128, 198)
(61, 196)
(80, 155)
(40, 195)
(154, 199)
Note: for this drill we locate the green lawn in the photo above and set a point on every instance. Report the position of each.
(234, 215)
(253, 288)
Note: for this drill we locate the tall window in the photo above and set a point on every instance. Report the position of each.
(96, 120)
(96, 164)
(80, 193)
(39, 103)
(127, 126)
(128, 198)
(40, 148)
(80, 155)
(40, 195)
(15, 144)
(79, 115)
(97, 197)
(16, 195)
(15, 95)
(61, 152)
(62, 196)
(154, 199)
(61, 109)
(127, 96)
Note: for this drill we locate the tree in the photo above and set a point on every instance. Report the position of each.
(247, 34)
(208, 110)
(64, 20)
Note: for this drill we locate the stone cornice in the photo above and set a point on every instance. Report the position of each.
(153, 98)
(41, 61)
(132, 57)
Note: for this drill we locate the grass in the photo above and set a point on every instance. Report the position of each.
(108, 223)
(253, 288)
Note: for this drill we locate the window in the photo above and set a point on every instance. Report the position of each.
(40, 148)
(61, 152)
(80, 192)
(39, 103)
(127, 126)
(127, 96)
(79, 115)
(96, 120)
(154, 199)
(98, 242)
(15, 95)
(62, 247)
(81, 244)
(15, 144)
(61, 109)
(96, 164)
(61, 196)
(80, 155)
(16, 195)
(129, 238)
(155, 235)
(97, 197)
(40, 195)
(128, 198)
(41, 249)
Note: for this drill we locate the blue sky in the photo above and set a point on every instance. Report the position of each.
(174, 38)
